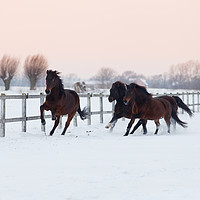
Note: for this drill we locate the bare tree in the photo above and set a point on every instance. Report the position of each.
(105, 76)
(8, 69)
(34, 68)
(128, 76)
(186, 75)
(70, 79)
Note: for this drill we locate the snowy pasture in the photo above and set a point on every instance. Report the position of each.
(91, 163)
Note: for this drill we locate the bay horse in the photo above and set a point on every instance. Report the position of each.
(117, 92)
(176, 102)
(60, 101)
(149, 108)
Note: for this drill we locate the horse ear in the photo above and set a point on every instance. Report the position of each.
(47, 71)
(56, 72)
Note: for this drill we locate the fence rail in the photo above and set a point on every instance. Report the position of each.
(190, 98)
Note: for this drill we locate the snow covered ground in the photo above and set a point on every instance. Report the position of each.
(91, 163)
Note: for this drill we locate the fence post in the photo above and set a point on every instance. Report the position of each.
(89, 108)
(101, 107)
(41, 102)
(193, 102)
(60, 122)
(198, 100)
(3, 114)
(187, 99)
(183, 101)
(75, 120)
(24, 112)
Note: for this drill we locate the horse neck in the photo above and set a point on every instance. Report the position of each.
(142, 99)
(57, 92)
(120, 100)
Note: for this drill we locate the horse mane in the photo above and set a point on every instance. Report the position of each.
(140, 88)
(122, 87)
(60, 83)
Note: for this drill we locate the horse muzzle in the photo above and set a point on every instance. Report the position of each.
(110, 99)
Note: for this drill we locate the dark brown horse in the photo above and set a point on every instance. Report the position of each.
(117, 92)
(149, 108)
(176, 102)
(60, 101)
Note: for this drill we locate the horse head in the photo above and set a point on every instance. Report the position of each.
(134, 90)
(130, 93)
(117, 91)
(52, 80)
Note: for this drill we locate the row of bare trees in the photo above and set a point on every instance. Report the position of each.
(106, 76)
(34, 68)
(181, 76)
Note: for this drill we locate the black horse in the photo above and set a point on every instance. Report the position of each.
(117, 92)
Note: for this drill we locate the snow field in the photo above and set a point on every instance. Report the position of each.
(89, 162)
(92, 163)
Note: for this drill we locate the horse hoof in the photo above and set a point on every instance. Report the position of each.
(125, 134)
(54, 118)
(50, 134)
(108, 125)
(43, 122)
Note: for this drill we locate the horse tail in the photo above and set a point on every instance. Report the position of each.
(175, 117)
(83, 113)
(182, 105)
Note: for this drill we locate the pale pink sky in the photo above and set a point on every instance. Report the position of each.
(81, 36)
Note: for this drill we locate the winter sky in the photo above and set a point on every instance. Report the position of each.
(83, 36)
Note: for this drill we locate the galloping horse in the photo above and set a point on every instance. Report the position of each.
(117, 92)
(60, 101)
(149, 108)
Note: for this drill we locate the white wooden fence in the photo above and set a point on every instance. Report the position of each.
(191, 99)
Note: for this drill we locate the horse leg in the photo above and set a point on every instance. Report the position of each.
(168, 126)
(143, 122)
(144, 125)
(173, 122)
(115, 118)
(113, 125)
(53, 112)
(129, 126)
(42, 108)
(70, 116)
(138, 115)
(167, 120)
(55, 125)
(157, 126)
